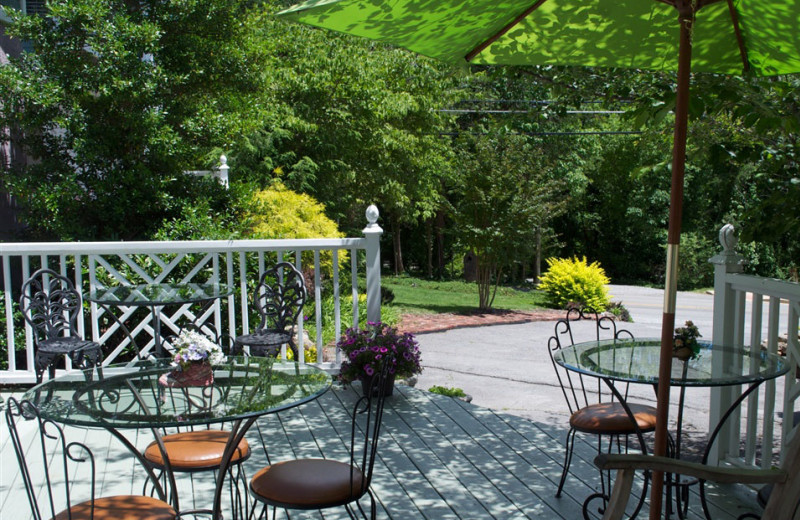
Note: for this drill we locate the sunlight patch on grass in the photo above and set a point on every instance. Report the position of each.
(420, 296)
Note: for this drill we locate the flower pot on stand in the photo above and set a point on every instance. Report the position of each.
(199, 373)
(682, 353)
(367, 383)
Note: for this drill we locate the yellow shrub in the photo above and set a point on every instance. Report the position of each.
(278, 212)
(575, 281)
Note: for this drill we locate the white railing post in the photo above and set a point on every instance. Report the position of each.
(373, 233)
(723, 333)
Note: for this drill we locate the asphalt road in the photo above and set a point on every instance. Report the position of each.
(507, 367)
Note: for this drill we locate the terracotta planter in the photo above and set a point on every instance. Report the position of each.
(196, 374)
(388, 384)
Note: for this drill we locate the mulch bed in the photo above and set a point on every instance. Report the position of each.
(424, 323)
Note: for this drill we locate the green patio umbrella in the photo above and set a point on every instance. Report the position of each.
(720, 36)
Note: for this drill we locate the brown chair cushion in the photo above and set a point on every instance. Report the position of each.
(122, 507)
(197, 450)
(307, 484)
(611, 419)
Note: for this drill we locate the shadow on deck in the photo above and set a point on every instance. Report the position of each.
(440, 458)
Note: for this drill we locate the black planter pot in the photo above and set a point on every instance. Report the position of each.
(388, 384)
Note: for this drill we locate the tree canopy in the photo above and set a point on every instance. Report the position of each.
(115, 100)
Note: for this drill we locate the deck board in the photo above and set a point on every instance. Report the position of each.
(440, 459)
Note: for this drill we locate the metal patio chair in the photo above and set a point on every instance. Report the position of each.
(323, 483)
(51, 305)
(196, 449)
(52, 468)
(279, 298)
(592, 407)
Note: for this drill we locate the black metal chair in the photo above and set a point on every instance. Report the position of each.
(51, 468)
(51, 305)
(195, 450)
(279, 298)
(322, 483)
(593, 409)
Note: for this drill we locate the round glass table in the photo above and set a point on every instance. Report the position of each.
(637, 361)
(156, 296)
(119, 397)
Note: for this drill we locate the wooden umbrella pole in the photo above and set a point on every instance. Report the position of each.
(686, 19)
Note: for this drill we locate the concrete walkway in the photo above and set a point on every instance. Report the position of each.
(507, 367)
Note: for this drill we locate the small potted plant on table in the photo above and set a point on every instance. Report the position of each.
(364, 349)
(685, 345)
(194, 358)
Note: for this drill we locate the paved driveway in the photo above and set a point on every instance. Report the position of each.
(507, 368)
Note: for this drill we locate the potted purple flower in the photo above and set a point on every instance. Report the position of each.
(364, 349)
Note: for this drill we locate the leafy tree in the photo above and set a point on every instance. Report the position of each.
(351, 122)
(501, 197)
(114, 101)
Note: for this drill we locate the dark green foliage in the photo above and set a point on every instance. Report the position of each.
(113, 103)
(619, 311)
(501, 196)
(19, 330)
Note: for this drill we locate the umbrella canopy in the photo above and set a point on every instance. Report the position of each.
(720, 36)
(619, 33)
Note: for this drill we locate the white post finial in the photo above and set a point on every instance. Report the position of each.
(728, 239)
(222, 171)
(372, 217)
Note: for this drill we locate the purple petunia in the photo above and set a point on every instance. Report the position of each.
(362, 348)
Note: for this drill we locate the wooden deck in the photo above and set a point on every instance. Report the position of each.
(440, 458)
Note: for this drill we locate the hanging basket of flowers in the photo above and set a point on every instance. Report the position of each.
(364, 349)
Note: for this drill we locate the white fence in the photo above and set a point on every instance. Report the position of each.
(238, 263)
(743, 304)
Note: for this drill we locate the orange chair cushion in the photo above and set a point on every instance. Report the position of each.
(197, 450)
(307, 484)
(122, 507)
(611, 419)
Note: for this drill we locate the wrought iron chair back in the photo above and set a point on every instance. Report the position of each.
(52, 468)
(364, 448)
(279, 297)
(50, 453)
(592, 406)
(50, 304)
(297, 484)
(580, 391)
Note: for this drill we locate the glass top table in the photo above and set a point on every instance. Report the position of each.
(156, 294)
(637, 361)
(121, 397)
(132, 396)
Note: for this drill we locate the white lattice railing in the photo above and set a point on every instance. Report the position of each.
(757, 313)
(238, 263)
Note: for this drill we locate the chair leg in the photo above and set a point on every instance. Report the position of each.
(239, 503)
(569, 446)
(42, 362)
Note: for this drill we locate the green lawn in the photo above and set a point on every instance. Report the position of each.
(420, 296)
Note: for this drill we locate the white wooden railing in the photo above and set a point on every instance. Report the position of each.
(754, 312)
(238, 263)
